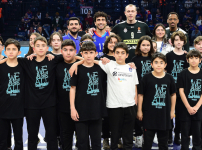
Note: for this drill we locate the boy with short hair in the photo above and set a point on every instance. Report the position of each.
(87, 101)
(176, 62)
(67, 125)
(156, 103)
(189, 84)
(12, 96)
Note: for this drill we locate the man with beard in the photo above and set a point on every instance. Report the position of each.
(74, 27)
(100, 34)
(173, 20)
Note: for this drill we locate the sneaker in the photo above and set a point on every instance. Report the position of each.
(155, 139)
(170, 138)
(120, 144)
(106, 144)
(138, 141)
(59, 142)
(177, 139)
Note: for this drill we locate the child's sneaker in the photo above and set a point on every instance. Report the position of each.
(138, 141)
(106, 144)
(120, 144)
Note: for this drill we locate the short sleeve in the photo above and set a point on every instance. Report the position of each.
(115, 29)
(105, 67)
(136, 78)
(58, 59)
(142, 86)
(24, 62)
(172, 86)
(74, 80)
(180, 83)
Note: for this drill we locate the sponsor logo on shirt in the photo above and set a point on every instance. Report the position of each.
(195, 90)
(139, 30)
(159, 97)
(66, 80)
(146, 67)
(94, 37)
(42, 76)
(125, 30)
(177, 68)
(13, 84)
(93, 88)
(131, 41)
(121, 79)
(114, 73)
(130, 69)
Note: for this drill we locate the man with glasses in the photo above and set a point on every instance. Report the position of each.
(173, 20)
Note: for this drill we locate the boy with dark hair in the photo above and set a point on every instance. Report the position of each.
(67, 125)
(156, 103)
(87, 101)
(189, 84)
(176, 62)
(100, 34)
(12, 96)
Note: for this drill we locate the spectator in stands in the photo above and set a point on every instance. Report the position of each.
(139, 16)
(60, 31)
(57, 21)
(22, 26)
(41, 31)
(118, 20)
(89, 18)
(187, 16)
(38, 14)
(29, 14)
(87, 25)
(66, 17)
(65, 25)
(35, 22)
(151, 26)
(148, 15)
(188, 4)
(198, 22)
(109, 20)
(71, 14)
(195, 33)
(27, 19)
(191, 25)
(200, 27)
(30, 31)
(144, 3)
(107, 28)
(47, 23)
(197, 15)
(159, 17)
(198, 4)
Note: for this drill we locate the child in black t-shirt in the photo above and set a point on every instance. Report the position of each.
(12, 96)
(55, 42)
(156, 103)
(87, 101)
(189, 84)
(176, 62)
(67, 125)
(198, 46)
(142, 61)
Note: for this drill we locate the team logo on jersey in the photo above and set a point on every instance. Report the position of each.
(125, 30)
(139, 30)
(132, 35)
(114, 73)
(94, 37)
(130, 69)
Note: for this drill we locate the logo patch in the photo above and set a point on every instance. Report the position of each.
(130, 69)
(139, 30)
(125, 30)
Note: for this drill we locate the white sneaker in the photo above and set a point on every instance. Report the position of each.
(106, 144)
(120, 144)
(155, 139)
(138, 141)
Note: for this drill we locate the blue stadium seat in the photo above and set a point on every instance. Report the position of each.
(117, 1)
(135, 2)
(125, 2)
(72, 5)
(108, 1)
(108, 6)
(117, 10)
(117, 5)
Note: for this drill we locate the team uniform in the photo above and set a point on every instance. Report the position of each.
(169, 33)
(156, 108)
(11, 104)
(130, 34)
(191, 84)
(99, 42)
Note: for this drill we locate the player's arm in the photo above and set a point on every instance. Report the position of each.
(139, 107)
(74, 67)
(190, 109)
(74, 113)
(173, 102)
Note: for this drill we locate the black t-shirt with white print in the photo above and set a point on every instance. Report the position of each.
(63, 86)
(11, 92)
(143, 65)
(175, 64)
(40, 87)
(157, 101)
(89, 100)
(192, 89)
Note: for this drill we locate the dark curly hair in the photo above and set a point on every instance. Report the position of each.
(105, 48)
(99, 14)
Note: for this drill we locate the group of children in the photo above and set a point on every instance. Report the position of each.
(105, 96)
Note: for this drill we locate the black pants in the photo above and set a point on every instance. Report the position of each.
(67, 128)
(121, 125)
(9, 143)
(162, 136)
(177, 129)
(17, 125)
(86, 128)
(33, 117)
(193, 127)
(105, 128)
